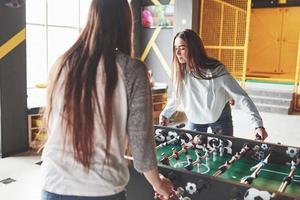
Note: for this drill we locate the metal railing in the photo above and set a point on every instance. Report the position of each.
(228, 34)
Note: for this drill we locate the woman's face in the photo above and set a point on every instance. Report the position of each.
(181, 50)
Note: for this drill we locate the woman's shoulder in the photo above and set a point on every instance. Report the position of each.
(130, 64)
(134, 71)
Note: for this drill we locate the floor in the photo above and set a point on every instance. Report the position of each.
(23, 169)
(26, 173)
(284, 129)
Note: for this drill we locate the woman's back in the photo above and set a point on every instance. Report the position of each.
(65, 175)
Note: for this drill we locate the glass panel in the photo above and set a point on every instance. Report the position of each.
(36, 55)
(59, 40)
(36, 11)
(63, 12)
(84, 9)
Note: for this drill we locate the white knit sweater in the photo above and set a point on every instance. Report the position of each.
(203, 100)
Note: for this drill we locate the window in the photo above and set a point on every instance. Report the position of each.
(36, 54)
(52, 27)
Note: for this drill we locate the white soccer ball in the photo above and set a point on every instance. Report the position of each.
(185, 138)
(254, 194)
(158, 131)
(291, 152)
(158, 135)
(191, 188)
(171, 135)
(264, 146)
(160, 138)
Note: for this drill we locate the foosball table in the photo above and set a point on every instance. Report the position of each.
(215, 167)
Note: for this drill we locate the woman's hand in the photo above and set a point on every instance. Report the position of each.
(164, 190)
(163, 121)
(260, 133)
(231, 102)
(162, 186)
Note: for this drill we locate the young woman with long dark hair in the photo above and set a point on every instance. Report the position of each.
(99, 98)
(204, 88)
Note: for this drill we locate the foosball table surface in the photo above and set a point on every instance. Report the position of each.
(270, 176)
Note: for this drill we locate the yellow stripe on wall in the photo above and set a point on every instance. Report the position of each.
(150, 43)
(161, 59)
(155, 2)
(12, 43)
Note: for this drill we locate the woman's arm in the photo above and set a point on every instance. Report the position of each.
(242, 99)
(168, 111)
(140, 129)
(161, 185)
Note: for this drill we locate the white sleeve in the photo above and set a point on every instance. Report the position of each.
(170, 108)
(242, 99)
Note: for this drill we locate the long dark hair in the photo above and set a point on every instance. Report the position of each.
(108, 28)
(197, 58)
